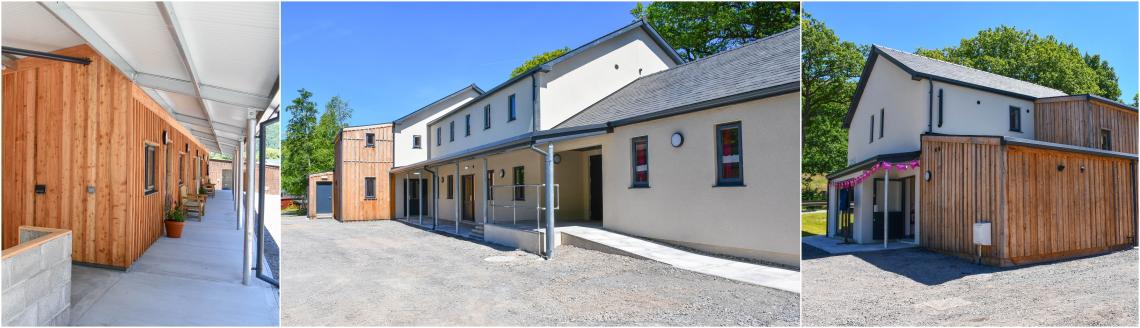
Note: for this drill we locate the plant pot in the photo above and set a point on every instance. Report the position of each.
(174, 228)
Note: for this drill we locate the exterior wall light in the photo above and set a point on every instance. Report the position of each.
(926, 175)
(557, 158)
(677, 139)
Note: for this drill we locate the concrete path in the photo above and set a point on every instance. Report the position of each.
(782, 279)
(836, 245)
(191, 281)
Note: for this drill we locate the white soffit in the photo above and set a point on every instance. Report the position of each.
(137, 32)
(27, 25)
(184, 104)
(234, 44)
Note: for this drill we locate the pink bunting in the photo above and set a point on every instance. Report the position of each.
(844, 184)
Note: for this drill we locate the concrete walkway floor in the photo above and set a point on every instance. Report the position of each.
(778, 278)
(191, 281)
(836, 245)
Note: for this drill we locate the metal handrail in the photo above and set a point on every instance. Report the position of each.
(514, 202)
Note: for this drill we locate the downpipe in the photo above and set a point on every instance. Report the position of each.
(548, 177)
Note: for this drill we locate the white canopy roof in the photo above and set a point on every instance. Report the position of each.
(208, 63)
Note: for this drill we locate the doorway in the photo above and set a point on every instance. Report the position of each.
(596, 188)
(227, 179)
(324, 197)
(897, 204)
(415, 193)
(467, 192)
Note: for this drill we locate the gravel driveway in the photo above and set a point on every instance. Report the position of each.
(385, 273)
(914, 287)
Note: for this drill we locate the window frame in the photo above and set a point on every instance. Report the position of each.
(518, 178)
(150, 168)
(872, 129)
(721, 181)
(181, 170)
(369, 186)
(370, 140)
(451, 132)
(512, 112)
(450, 180)
(490, 192)
(633, 142)
(1106, 139)
(438, 135)
(417, 142)
(467, 125)
(1015, 111)
(882, 121)
(486, 116)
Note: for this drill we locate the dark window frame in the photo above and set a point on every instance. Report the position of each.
(438, 135)
(487, 117)
(370, 140)
(451, 132)
(512, 112)
(882, 121)
(1014, 119)
(450, 186)
(939, 107)
(633, 181)
(369, 188)
(467, 125)
(1106, 139)
(872, 129)
(490, 185)
(181, 170)
(721, 181)
(150, 165)
(417, 142)
(518, 178)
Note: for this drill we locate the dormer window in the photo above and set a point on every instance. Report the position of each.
(370, 140)
(416, 142)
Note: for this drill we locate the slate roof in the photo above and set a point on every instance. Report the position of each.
(946, 70)
(765, 64)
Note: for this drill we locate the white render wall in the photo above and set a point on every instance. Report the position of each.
(500, 129)
(682, 206)
(403, 153)
(586, 78)
(970, 111)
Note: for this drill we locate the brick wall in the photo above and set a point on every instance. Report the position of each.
(272, 175)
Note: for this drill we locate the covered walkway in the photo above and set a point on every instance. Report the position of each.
(195, 280)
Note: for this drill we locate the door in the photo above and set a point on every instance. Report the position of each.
(324, 197)
(413, 193)
(468, 194)
(596, 188)
(227, 179)
(896, 225)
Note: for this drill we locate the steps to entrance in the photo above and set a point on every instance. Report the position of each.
(477, 232)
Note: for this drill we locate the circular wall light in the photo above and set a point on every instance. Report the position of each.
(557, 158)
(926, 175)
(502, 173)
(677, 139)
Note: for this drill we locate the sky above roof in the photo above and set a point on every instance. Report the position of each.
(389, 59)
(1108, 29)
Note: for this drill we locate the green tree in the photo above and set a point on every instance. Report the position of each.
(297, 147)
(1136, 100)
(538, 60)
(830, 69)
(335, 117)
(1024, 55)
(699, 29)
(221, 156)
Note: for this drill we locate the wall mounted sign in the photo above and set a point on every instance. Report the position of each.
(677, 140)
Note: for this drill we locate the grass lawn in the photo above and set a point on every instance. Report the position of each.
(813, 224)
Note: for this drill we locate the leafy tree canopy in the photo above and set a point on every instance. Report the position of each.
(699, 29)
(1024, 55)
(538, 60)
(297, 146)
(830, 71)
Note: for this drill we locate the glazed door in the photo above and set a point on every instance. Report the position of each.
(468, 194)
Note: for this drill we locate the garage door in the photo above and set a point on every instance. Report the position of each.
(324, 197)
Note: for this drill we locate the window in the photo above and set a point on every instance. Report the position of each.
(148, 169)
(519, 177)
(370, 188)
(369, 140)
(510, 108)
(438, 136)
(640, 162)
(467, 125)
(939, 107)
(181, 171)
(487, 117)
(1106, 139)
(872, 128)
(416, 142)
(450, 187)
(490, 183)
(1014, 119)
(451, 132)
(882, 121)
(728, 159)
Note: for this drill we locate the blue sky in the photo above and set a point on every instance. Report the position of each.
(389, 59)
(1109, 29)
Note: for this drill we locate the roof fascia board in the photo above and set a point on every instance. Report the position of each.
(713, 103)
(473, 87)
(1063, 147)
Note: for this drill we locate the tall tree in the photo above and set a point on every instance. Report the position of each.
(297, 146)
(1024, 55)
(1136, 100)
(538, 60)
(830, 69)
(699, 29)
(335, 117)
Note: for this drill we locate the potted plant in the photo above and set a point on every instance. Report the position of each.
(174, 219)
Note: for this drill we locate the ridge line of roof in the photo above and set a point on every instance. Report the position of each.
(963, 66)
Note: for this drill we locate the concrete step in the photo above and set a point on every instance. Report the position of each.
(477, 231)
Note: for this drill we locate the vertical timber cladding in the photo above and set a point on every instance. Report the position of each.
(965, 187)
(311, 194)
(1064, 204)
(1044, 204)
(1078, 121)
(355, 162)
(79, 131)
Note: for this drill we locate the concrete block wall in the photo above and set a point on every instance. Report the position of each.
(37, 280)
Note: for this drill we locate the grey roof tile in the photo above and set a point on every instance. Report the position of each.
(934, 67)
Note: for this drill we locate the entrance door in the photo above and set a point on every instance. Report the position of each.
(415, 194)
(227, 179)
(468, 194)
(323, 199)
(897, 218)
(596, 188)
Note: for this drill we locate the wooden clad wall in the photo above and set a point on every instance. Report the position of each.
(1077, 121)
(312, 192)
(355, 162)
(79, 131)
(965, 187)
(1087, 207)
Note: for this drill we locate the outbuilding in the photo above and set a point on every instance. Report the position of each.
(320, 196)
